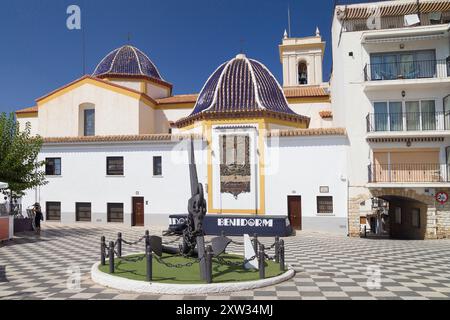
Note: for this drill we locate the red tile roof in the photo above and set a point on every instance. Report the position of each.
(307, 91)
(28, 110)
(182, 98)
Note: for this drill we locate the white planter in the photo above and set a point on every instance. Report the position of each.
(128, 285)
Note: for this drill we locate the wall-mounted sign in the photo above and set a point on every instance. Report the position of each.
(324, 189)
(441, 197)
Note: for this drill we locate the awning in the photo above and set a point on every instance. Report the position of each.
(394, 8)
(388, 39)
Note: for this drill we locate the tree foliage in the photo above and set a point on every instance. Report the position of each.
(18, 156)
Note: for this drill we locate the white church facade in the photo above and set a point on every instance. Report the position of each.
(269, 157)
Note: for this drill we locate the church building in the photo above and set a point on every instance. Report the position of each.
(269, 157)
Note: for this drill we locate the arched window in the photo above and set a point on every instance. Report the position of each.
(87, 119)
(302, 73)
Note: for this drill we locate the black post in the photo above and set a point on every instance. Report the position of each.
(282, 266)
(111, 257)
(102, 251)
(261, 262)
(277, 249)
(255, 243)
(209, 255)
(149, 256)
(119, 244)
(365, 231)
(147, 239)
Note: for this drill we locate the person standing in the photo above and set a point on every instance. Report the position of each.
(38, 217)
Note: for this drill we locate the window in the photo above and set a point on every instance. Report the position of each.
(157, 166)
(53, 211)
(53, 166)
(302, 73)
(89, 122)
(324, 204)
(398, 215)
(415, 217)
(403, 65)
(83, 211)
(114, 166)
(115, 212)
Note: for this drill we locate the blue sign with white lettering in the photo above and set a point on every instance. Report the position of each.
(233, 225)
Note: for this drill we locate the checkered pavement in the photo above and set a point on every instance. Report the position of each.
(327, 267)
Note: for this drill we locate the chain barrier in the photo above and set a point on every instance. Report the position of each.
(234, 264)
(177, 265)
(173, 241)
(269, 257)
(132, 243)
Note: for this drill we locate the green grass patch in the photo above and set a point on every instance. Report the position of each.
(136, 270)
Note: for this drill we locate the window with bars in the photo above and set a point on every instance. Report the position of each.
(114, 166)
(325, 204)
(115, 212)
(53, 166)
(83, 211)
(53, 211)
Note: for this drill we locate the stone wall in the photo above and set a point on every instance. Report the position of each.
(437, 215)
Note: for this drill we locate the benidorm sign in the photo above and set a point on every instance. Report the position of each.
(239, 225)
(243, 222)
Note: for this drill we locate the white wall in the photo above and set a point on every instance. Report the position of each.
(298, 166)
(312, 110)
(115, 113)
(84, 179)
(34, 123)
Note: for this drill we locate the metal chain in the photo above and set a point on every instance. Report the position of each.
(177, 265)
(133, 243)
(269, 257)
(235, 264)
(173, 241)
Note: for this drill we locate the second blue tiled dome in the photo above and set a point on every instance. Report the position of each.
(127, 61)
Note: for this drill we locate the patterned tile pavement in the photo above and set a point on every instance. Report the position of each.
(327, 266)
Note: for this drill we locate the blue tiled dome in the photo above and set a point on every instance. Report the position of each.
(241, 84)
(127, 61)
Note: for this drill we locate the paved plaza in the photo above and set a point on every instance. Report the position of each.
(327, 267)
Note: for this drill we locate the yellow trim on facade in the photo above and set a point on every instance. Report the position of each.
(261, 148)
(323, 99)
(299, 125)
(27, 115)
(99, 84)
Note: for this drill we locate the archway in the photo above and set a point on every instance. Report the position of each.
(398, 217)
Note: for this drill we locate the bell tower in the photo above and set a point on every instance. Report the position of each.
(302, 60)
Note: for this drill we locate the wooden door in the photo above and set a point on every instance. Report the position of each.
(295, 211)
(138, 211)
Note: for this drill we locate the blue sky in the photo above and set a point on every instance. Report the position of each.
(187, 40)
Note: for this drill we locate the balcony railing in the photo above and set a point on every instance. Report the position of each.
(408, 121)
(407, 70)
(408, 172)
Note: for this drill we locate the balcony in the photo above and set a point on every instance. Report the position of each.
(420, 69)
(408, 173)
(408, 122)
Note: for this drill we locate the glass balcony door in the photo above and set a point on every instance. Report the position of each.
(381, 116)
(428, 112)
(395, 116)
(412, 109)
